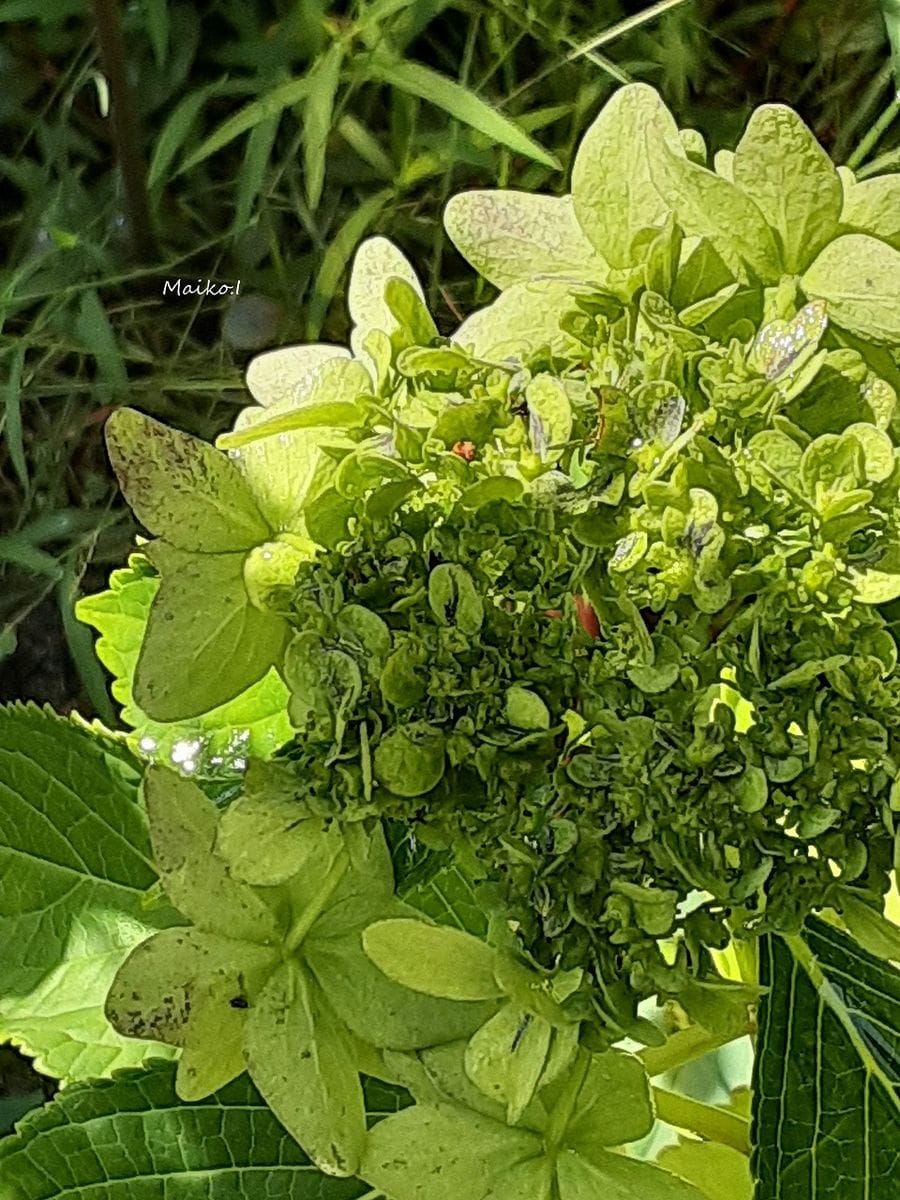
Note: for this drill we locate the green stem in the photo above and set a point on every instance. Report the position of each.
(304, 922)
(562, 1113)
(628, 25)
(712, 1124)
(682, 1047)
(873, 137)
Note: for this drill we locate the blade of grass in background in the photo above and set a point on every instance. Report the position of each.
(317, 117)
(461, 103)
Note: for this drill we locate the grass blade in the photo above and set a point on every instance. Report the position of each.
(15, 550)
(158, 27)
(890, 10)
(252, 174)
(626, 26)
(317, 116)
(336, 257)
(272, 104)
(81, 647)
(459, 102)
(366, 145)
(176, 130)
(13, 417)
(96, 334)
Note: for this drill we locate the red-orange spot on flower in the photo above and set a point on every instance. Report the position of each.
(465, 450)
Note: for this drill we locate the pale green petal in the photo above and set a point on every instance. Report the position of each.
(285, 376)
(509, 237)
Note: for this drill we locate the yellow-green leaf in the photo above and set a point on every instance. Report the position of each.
(858, 277)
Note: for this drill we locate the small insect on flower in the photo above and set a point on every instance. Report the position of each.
(465, 450)
(521, 1031)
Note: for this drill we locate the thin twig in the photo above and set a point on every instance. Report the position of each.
(621, 28)
(873, 137)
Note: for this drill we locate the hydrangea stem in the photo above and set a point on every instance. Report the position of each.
(682, 1047)
(711, 1123)
(305, 921)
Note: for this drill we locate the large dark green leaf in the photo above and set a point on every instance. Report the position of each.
(827, 1081)
(75, 868)
(133, 1139)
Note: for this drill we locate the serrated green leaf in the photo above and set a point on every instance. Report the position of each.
(302, 1063)
(509, 237)
(782, 168)
(134, 1140)
(205, 642)
(829, 1055)
(614, 193)
(254, 723)
(858, 277)
(74, 870)
(433, 959)
(448, 897)
(181, 488)
(874, 930)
